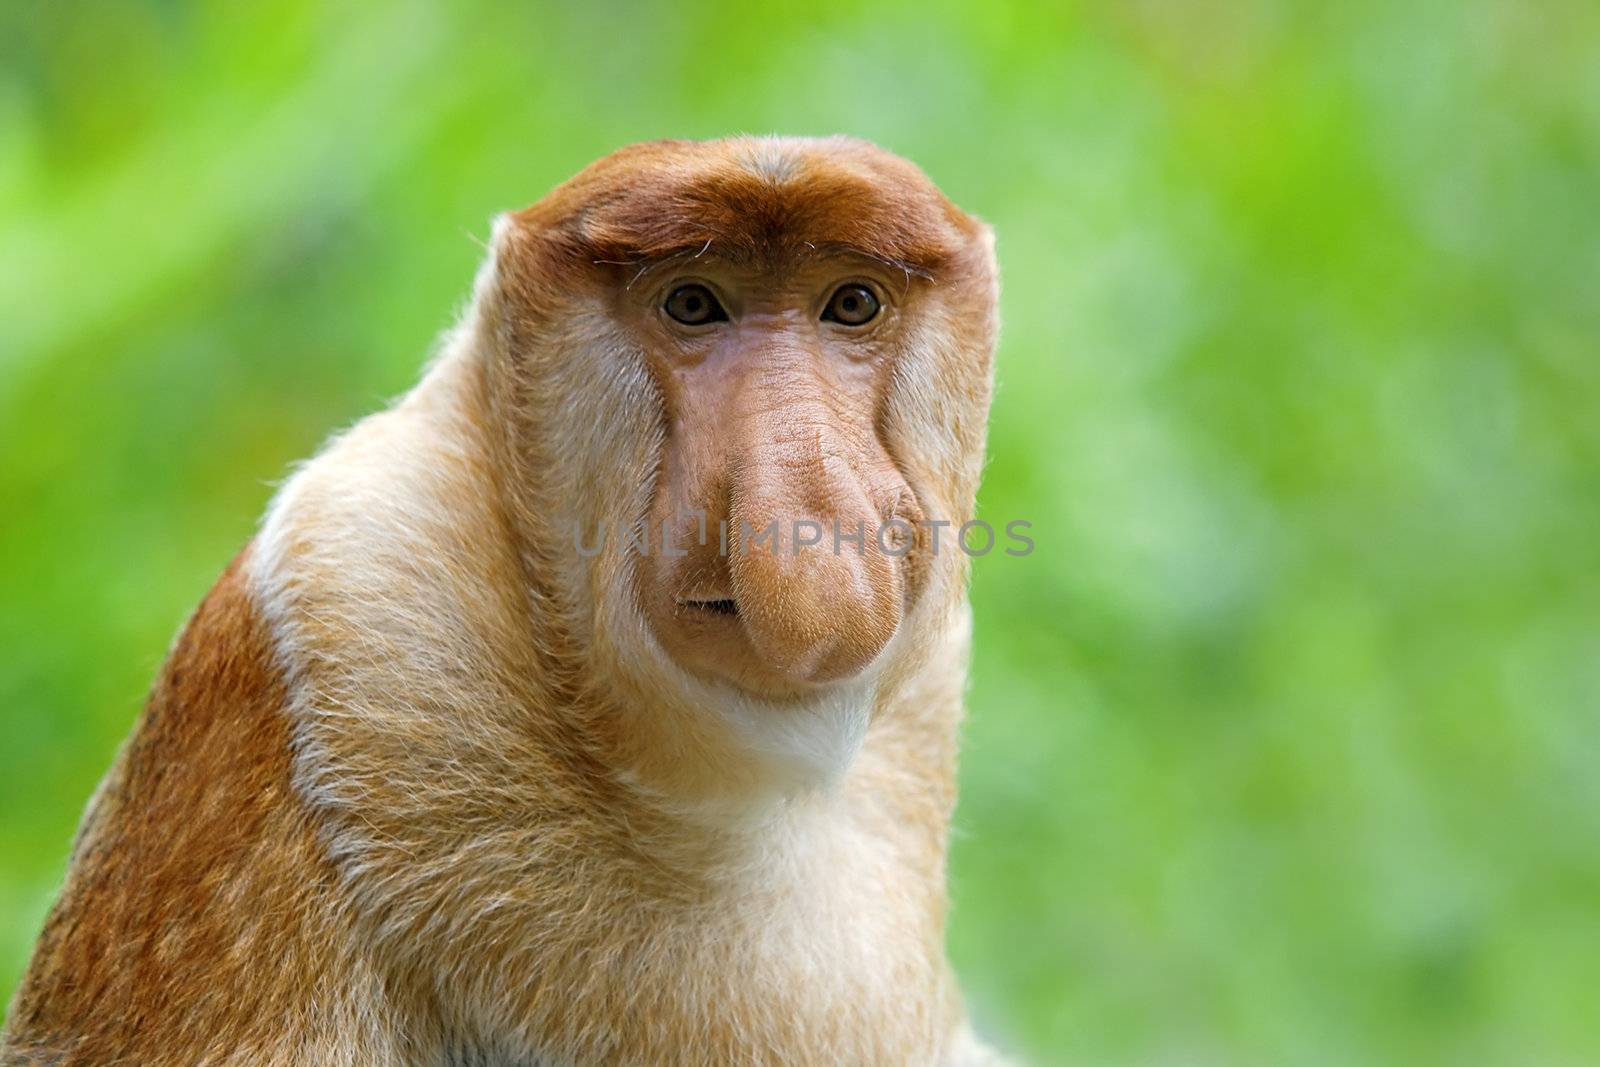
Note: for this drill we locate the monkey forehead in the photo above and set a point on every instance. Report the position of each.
(765, 201)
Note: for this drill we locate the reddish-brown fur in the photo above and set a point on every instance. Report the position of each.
(192, 923)
(665, 197)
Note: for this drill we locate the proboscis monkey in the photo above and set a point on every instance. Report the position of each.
(536, 725)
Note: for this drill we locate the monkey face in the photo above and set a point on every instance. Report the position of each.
(783, 525)
(814, 323)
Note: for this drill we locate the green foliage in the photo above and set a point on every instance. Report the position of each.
(1283, 743)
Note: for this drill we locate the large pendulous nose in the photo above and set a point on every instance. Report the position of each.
(818, 596)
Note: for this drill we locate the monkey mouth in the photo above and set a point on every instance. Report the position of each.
(710, 605)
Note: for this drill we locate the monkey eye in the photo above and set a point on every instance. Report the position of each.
(851, 305)
(693, 305)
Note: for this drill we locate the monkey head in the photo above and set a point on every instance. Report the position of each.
(742, 382)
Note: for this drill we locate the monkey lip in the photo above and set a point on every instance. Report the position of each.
(710, 605)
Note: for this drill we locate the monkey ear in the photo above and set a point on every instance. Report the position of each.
(500, 286)
(486, 284)
(528, 267)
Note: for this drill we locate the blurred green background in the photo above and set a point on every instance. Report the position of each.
(1284, 745)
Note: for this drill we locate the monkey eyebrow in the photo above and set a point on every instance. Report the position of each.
(910, 270)
(646, 264)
